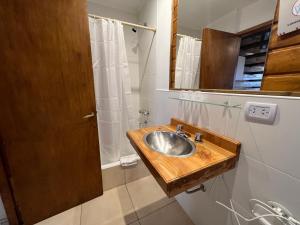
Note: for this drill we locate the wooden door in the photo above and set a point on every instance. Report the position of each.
(219, 56)
(49, 148)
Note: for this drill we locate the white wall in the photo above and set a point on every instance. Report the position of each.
(257, 13)
(246, 17)
(268, 168)
(164, 15)
(228, 23)
(189, 32)
(163, 39)
(147, 56)
(113, 13)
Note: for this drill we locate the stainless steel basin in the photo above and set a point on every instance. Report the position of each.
(169, 143)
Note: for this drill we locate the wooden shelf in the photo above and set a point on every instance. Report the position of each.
(255, 64)
(259, 43)
(256, 55)
(248, 88)
(249, 80)
(254, 72)
(254, 47)
(215, 155)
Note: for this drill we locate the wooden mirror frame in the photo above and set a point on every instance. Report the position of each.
(282, 70)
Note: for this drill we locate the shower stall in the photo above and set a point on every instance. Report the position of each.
(122, 44)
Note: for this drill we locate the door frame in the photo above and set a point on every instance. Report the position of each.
(7, 196)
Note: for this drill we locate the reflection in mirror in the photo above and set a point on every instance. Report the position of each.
(187, 71)
(220, 44)
(188, 51)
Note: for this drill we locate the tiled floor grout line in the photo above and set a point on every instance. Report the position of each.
(138, 218)
(131, 202)
(164, 202)
(156, 210)
(80, 221)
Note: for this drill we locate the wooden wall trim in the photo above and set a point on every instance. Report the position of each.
(282, 82)
(255, 29)
(288, 40)
(174, 22)
(282, 70)
(283, 61)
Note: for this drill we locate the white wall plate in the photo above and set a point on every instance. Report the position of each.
(260, 112)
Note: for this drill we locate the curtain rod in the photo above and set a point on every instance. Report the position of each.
(124, 22)
(182, 35)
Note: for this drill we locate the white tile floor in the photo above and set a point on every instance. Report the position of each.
(141, 202)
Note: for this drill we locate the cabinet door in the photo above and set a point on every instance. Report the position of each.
(49, 145)
(219, 57)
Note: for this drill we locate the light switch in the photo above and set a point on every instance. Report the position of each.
(260, 112)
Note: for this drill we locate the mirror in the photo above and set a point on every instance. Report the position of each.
(220, 44)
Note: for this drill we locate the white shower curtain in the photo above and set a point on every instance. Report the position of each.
(187, 63)
(112, 87)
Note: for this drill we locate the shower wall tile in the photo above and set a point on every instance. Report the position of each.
(267, 169)
(204, 115)
(131, 41)
(147, 103)
(276, 145)
(201, 206)
(134, 72)
(165, 108)
(147, 58)
(254, 179)
(148, 86)
(214, 117)
(233, 116)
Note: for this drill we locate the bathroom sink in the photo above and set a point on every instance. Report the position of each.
(169, 143)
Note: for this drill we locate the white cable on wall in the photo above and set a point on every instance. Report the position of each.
(235, 215)
(290, 220)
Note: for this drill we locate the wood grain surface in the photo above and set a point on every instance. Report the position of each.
(283, 82)
(46, 88)
(282, 69)
(215, 155)
(173, 43)
(219, 57)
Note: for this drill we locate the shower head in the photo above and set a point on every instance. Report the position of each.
(134, 30)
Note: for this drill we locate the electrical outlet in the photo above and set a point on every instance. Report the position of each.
(260, 112)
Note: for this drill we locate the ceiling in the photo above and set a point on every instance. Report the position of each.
(129, 6)
(196, 14)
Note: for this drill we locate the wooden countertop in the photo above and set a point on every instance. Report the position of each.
(215, 155)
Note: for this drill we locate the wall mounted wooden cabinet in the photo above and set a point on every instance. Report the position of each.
(49, 153)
